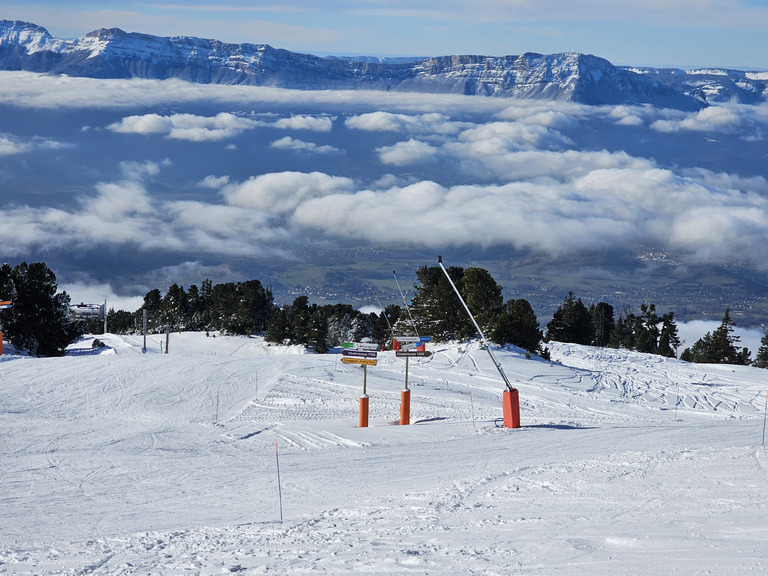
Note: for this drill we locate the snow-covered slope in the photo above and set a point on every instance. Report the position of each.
(113, 53)
(121, 462)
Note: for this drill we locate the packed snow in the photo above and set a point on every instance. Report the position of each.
(120, 461)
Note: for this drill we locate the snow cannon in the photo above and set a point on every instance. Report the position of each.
(511, 399)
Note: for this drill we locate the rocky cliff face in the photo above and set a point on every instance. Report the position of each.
(113, 53)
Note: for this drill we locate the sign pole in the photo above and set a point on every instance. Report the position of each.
(279, 487)
(406, 371)
(405, 400)
(364, 400)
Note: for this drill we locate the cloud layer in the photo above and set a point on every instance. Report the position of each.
(548, 178)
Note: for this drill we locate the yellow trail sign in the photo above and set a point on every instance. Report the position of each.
(366, 361)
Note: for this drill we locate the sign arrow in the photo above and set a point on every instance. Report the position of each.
(413, 353)
(358, 354)
(366, 361)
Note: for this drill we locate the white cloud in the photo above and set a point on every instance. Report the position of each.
(288, 143)
(284, 191)
(91, 292)
(591, 208)
(144, 124)
(214, 182)
(710, 119)
(185, 126)
(124, 214)
(432, 123)
(303, 122)
(11, 145)
(410, 152)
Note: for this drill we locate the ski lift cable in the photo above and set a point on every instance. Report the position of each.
(405, 303)
(384, 312)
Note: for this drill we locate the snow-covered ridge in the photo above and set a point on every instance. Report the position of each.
(113, 53)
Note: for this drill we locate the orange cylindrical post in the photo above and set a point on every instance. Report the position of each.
(405, 407)
(364, 411)
(511, 404)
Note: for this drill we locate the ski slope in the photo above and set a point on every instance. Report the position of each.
(116, 461)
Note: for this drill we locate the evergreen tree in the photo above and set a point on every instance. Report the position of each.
(762, 354)
(647, 329)
(483, 297)
(382, 334)
(317, 332)
(723, 345)
(120, 322)
(279, 328)
(346, 324)
(623, 334)
(518, 325)
(299, 315)
(173, 308)
(719, 346)
(152, 301)
(255, 306)
(669, 339)
(436, 310)
(571, 322)
(602, 323)
(40, 320)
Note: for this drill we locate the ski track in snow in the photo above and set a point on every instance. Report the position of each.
(122, 462)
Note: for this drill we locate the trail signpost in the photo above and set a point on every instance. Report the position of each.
(363, 353)
(409, 347)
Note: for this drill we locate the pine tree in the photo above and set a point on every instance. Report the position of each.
(722, 349)
(317, 332)
(279, 328)
(39, 321)
(647, 330)
(669, 339)
(571, 322)
(762, 354)
(299, 315)
(719, 346)
(436, 310)
(483, 297)
(518, 325)
(382, 334)
(602, 323)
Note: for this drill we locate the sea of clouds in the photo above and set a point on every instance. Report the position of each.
(178, 174)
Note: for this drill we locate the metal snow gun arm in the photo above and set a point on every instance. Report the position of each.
(511, 401)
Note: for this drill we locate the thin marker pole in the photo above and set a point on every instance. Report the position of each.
(472, 404)
(384, 311)
(279, 488)
(218, 393)
(405, 303)
(764, 416)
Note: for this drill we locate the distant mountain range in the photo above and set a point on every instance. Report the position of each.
(569, 76)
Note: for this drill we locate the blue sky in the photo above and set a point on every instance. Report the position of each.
(685, 33)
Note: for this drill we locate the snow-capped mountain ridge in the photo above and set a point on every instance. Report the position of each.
(569, 76)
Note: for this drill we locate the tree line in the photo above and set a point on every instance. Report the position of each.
(40, 320)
